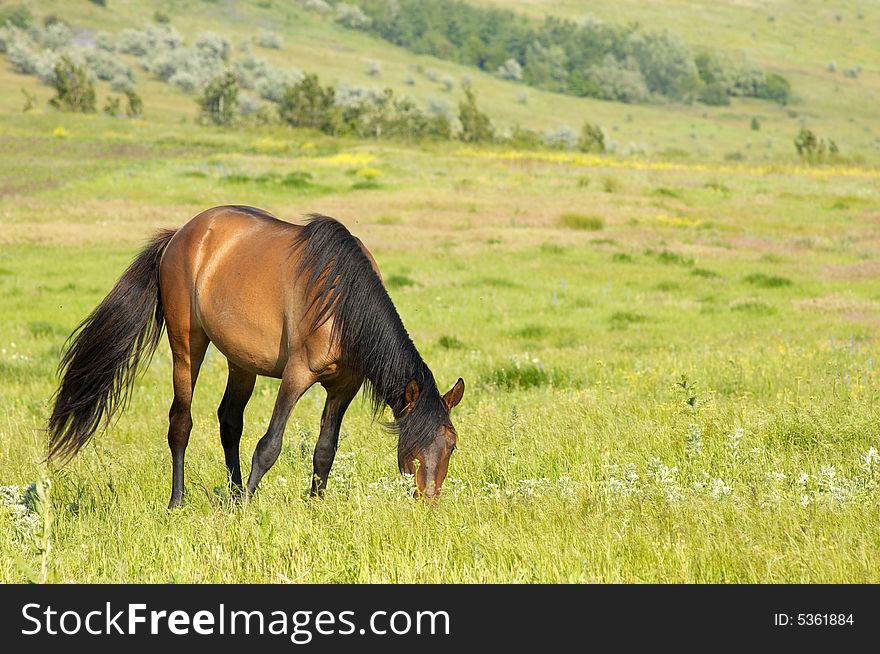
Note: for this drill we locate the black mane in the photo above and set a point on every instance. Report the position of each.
(367, 327)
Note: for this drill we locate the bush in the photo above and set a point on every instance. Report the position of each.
(57, 36)
(219, 100)
(121, 83)
(351, 16)
(21, 54)
(510, 70)
(714, 95)
(134, 107)
(74, 91)
(374, 68)
(184, 81)
(475, 125)
(269, 40)
(274, 83)
(133, 42)
(665, 62)
(112, 106)
(812, 149)
(308, 104)
(212, 46)
(318, 5)
(106, 66)
(161, 17)
(562, 137)
(592, 139)
(616, 81)
(522, 138)
(776, 88)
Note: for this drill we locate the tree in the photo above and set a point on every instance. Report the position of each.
(475, 125)
(307, 104)
(134, 107)
(220, 99)
(592, 139)
(74, 90)
(776, 88)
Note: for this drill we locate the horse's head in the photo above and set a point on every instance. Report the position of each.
(428, 438)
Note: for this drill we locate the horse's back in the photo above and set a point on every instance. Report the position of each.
(228, 272)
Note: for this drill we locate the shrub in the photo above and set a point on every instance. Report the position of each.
(592, 138)
(616, 81)
(714, 95)
(475, 125)
(74, 90)
(812, 149)
(269, 40)
(22, 56)
(524, 138)
(133, 42)
(112, 106)
(184, 81)
(219, 100)
(103, 41)
(374, 68)
(562, 137)
(318, 5)
(510, 70)
(106, 66)
(351, 16)
(212, 46)
(274, 83)
(249, 105)
(308, 104)
(161, 17)
(121, 83)
(775, 88)
(134, 107)
(57, 36)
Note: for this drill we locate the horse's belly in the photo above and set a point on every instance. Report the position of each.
(242, 310)
(249, 344)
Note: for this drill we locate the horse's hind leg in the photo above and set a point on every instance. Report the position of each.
(294, 383)
(338, 399)
(239, 388)
(188, 351)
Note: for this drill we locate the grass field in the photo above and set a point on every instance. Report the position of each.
(669, 362)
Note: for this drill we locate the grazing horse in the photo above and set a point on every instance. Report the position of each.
(301, 303)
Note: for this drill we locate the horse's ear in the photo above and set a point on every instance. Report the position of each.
(453, 397)
(412, 393)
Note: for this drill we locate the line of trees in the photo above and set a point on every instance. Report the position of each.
(590, 58)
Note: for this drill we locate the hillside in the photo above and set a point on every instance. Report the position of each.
(793, 43)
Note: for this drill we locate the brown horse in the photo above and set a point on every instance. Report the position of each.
(302, 303)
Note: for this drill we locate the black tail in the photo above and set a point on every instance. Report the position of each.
(98, 369)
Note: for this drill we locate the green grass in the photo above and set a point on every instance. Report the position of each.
(582, 222)
(581, 456)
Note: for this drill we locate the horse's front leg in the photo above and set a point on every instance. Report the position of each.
(294, 383)
(339, 396)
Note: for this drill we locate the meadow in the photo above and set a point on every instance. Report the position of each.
(669, 360)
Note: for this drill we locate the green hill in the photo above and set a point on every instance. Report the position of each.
(798, 40)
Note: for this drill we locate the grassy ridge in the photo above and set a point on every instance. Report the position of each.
(798, 44)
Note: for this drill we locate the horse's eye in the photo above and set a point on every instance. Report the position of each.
(452, 448)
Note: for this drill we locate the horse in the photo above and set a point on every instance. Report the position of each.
(305, 304)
